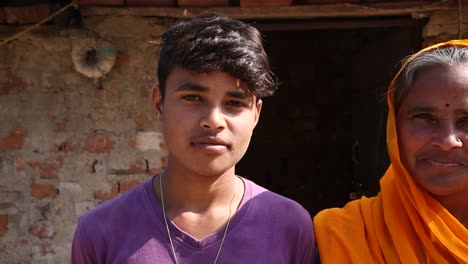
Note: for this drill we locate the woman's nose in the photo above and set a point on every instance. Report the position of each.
(446, 137)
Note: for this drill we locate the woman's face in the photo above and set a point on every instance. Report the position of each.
(432, 125)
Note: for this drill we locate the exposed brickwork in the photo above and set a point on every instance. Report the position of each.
(12, 82)
(98, 144)
(143, 121)
(43, 190)
(257, 3)
(123, 59)
(103, 2)
(108, 193)
(27, 14)
(49, 168)
(43, 229)
(42, 248)
(203, 3)
(3, 224)
(20, 164)
(151, 2)
(126, 185)
(14, 140)
(147, 141)
(135, 167)
(68, 146)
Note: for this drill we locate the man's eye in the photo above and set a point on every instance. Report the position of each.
(236, 104)
(191, 97)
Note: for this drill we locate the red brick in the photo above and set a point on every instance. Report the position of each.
(3, 224)
(14, 140)
(43, 190)
(12, 82)
(155, 170)
(312, 2)
(7, 206)
(107, 194)
(43, 229)
(138, 166)
(143, 121)
(98, 144)
(102, 2)
(127, 185)
(27, 14)
(7, 247)
(49, 169)
(253, 3)
(132, 142)
(151, 2)
(68, 146)
(202, 3)
(122, 59)
(20, 164)
(42, 248)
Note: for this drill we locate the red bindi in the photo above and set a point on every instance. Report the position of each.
(447, 105)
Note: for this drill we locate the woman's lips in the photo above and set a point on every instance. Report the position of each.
(443, 163)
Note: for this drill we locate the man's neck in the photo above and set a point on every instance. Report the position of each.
(198, 204)
(195, 192)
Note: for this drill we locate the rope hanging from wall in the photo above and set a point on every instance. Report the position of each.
(93, 57)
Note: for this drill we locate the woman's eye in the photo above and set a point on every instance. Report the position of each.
(463, 123)
(425, 118)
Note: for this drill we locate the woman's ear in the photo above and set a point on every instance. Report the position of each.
(157, 100)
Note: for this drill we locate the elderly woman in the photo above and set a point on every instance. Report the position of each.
(421, 213)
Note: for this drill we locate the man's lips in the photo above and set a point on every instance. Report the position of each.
(212, 144)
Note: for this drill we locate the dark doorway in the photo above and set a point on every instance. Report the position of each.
(321, 138)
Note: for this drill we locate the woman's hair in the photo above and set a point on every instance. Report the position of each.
(445, 57)
(212, 42)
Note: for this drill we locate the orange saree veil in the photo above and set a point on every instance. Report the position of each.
(402, 224)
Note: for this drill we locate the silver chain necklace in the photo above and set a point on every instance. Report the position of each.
(167, 226)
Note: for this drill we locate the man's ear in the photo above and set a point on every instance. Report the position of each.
(157, 100)
(258, 109)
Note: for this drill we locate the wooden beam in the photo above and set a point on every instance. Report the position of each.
(353, 24)
(281, 12)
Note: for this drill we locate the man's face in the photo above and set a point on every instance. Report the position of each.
(207, 120)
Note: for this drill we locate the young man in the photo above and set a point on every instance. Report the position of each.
(213, 72)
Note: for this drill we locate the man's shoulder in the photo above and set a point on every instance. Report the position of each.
(273, 203)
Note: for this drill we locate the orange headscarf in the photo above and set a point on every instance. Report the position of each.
(402, 224)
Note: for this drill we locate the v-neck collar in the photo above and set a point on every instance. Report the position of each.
(183, 237)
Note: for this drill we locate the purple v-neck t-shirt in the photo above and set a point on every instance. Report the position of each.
(267, 228)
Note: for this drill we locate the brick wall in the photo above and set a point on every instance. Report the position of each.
(67, 145)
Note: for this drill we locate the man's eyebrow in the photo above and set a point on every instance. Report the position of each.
(238, 94)
(192, 87)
